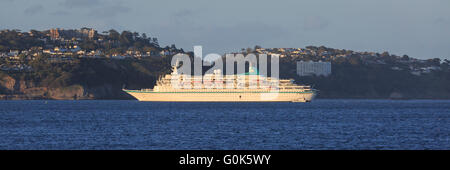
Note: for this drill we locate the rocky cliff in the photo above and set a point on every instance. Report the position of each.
(81, 79)
(13, 89)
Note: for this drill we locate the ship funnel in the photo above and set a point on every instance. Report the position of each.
(175, 68)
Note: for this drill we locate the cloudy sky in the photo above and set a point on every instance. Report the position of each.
(418, 28)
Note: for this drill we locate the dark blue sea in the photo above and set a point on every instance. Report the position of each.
(321, 124)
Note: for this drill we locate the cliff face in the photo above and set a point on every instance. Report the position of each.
(8, 83)
(12, 89)
(81, 79)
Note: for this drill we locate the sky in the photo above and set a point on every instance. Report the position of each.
(418, 28)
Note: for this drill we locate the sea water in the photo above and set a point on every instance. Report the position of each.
(130, 124)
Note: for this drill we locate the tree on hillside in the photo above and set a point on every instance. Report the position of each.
(114, 35)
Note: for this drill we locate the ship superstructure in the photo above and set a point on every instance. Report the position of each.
(216, 87)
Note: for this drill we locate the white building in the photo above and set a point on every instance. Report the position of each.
(13, 52)
(313, 68)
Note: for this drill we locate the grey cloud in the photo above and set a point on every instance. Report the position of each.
(183, 16)
(225, 38)
(442, 21)
(60, 13)
(34, 9)
(315, 23)
(80, 3)
(107, 24)
(109, 11)
(183, 13)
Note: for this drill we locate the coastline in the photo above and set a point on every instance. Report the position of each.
(26, 97)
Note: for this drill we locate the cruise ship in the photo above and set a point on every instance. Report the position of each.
(216, 87)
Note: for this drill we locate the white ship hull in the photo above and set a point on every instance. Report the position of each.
(222, 96)
(248, 87)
